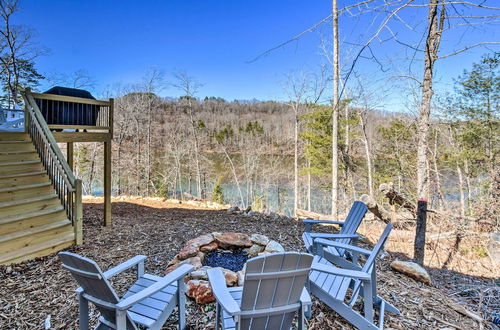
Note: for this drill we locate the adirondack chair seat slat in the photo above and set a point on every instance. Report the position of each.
(148, 302)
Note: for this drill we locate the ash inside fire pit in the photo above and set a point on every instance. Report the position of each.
(232, 260)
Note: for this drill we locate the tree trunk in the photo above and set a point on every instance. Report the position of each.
(296, 163)
(435, 28)
(443, 204)
(461, 189)
(367, 155)
(335, 112)
(308, 186)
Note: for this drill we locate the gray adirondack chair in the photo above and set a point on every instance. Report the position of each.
(332, 285)
(149, 302)
(273, 290)
(346, 235)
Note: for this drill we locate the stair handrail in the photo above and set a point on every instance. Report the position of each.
(67, 186)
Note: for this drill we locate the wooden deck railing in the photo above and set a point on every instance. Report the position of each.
(68, 188)
(67, 112)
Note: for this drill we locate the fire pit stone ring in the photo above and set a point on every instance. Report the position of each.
(227, 251)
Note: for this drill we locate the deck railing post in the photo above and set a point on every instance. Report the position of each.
(78, 213)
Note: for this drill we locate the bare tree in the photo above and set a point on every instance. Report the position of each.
(189, 86)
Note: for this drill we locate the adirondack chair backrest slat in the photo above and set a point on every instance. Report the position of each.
(90, 277)
(353, 220)
(370, 262)
(262, 291)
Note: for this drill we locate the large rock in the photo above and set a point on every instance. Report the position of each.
(200, 291)
(188, 252)
(259, 239)
(254, 250)
(233, 240)
(195, 261)
(273, 247)
(201, 240)
(209, 247)
(241, 277)
(411, 269)
(200, 274)
(231, 277)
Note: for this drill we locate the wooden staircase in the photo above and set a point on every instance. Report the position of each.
(33, 221)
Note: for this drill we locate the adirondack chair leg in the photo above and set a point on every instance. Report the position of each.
(301, 317)
(84, 312)
(140, 269)
(368, 301)
(121, 320)
(181, 300)
(217, 316)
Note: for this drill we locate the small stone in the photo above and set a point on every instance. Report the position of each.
(200, 291)
(233, 240)
(273, 247)
(241, 277)
(248, 209)
(209, 247)
(187, 252)
(8, 270)
(232, 209)
(201, 240)
(259, 239)
(411, 269)
(200, 274)
(231, 277)
(254, 250)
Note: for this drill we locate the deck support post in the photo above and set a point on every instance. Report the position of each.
(69, 154)
(107, 183)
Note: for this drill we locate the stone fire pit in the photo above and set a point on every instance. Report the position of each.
(227, 251)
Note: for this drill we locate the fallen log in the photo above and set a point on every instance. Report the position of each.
(396, 198)
(311, 215)
(378, 210)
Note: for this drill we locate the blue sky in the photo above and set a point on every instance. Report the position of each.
(118, 41)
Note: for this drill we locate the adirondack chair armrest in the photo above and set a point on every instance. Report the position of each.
(221, 292)
(310, 222)
(341, 272)
(150, 290)
(334, 236)
(125, 265)
(352, 248)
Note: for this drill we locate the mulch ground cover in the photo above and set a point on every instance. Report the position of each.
(39, 293)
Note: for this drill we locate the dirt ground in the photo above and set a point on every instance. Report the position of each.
(40, 292)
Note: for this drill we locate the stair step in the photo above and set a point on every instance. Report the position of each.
(7, 168)
(27, 205)
(33, 231)
(14, 163)
(18, 217)
(19, 179)
(19, 175)
(11, 156)
(24, 223)
(14, 136)
(27, 200)
(26, 186)
(16, 146)
(30, 190)
(38, 250)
